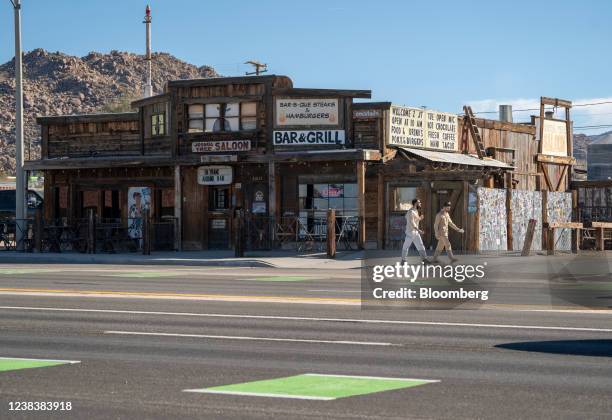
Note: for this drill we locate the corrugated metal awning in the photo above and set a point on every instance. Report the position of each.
(455, 158)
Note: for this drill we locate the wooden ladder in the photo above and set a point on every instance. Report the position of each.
(469, 125)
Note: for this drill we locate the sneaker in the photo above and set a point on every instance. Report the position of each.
(403, 261)
(427, 261)
(453, 260)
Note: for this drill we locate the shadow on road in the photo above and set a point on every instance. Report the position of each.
(598, 348)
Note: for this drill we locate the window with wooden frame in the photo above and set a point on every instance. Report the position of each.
(222, 117)
(196, 118)
(158, 124)
(158, 119)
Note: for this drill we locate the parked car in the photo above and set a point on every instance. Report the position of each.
(8, 199)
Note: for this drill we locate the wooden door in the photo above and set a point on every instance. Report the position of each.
(219, 205)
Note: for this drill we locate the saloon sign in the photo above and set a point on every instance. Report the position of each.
(423, 129)
(214, 175)
(554, 142)
(306, 112)
(221, 146)
(306, 137)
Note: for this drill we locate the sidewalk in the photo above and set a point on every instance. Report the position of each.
(271, 259)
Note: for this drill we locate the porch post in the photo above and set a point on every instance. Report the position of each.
(545, 232)
(178, 209)
(272, 192)
(380, 234)
(361, 168)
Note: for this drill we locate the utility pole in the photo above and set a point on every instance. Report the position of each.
(148, 91)
(20, 175)
(259, 67)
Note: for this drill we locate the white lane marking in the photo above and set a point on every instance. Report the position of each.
(260, 394)
(370, 377)
(216, 270)
(41, 360)
(240, 337)
(567, 311)
(336, 291)
(336, 301)
(299, 318)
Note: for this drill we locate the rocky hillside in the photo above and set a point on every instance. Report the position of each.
(57, 84)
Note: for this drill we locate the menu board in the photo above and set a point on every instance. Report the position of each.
(423, 128)
(306, 111)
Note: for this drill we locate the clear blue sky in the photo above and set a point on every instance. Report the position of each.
(441, 54)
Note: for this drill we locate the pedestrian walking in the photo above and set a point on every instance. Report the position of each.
(413, 232)
(441, 225)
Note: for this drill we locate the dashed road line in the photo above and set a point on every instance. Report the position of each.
(247, 338)
(308, 319)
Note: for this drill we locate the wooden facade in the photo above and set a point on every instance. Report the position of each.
(435, 183)
(205, 148)
(207, 126)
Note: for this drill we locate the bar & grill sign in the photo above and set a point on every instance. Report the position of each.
(214, 175)
(308, 137)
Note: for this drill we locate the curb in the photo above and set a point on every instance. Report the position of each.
(93, 259)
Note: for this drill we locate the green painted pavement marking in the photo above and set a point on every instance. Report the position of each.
(9, 363)
(312, 386)
(280, 278)
(143, 274)
(13, 271)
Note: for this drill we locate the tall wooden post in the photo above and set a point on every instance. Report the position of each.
(38, 229)
(529, 237)
(464, 216)
(272, 192)
(576, 233)
(550, 241)
(178, 209)
(331, 233)
(239, 234)
(380, 234)
(544, 217)
(575, 240)
(600, 243)
(146, 232)
(91, 231)
(509, 236)
(570, 146)
(361, 170)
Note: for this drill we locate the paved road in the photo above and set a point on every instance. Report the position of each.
(139, 352)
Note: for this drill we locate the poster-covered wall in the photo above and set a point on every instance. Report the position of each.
(526, 205)
(559, 209)
(492, 219)
(139, 199)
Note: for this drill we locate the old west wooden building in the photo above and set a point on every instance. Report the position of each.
(207, 147)
(203, 149)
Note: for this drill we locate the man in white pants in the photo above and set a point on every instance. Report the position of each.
(413, 233)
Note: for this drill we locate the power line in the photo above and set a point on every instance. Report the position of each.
(537, 109)
(593, 127)
(594, 103)
(578, 114)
